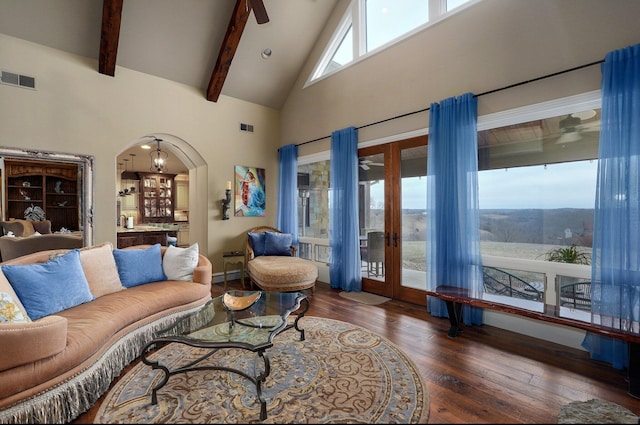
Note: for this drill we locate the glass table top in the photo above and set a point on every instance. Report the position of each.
(247, 319)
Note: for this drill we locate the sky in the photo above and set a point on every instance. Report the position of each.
(566, 185)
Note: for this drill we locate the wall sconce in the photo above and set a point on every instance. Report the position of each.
(226, 202)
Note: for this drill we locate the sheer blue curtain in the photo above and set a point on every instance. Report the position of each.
(287, 205)
(344, 269)
(615, 268)
(453, 220)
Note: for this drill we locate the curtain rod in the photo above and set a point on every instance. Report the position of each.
(475, 95)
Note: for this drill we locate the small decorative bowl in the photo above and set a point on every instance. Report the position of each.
(232, 302)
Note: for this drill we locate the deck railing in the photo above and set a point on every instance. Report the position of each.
(543, 280)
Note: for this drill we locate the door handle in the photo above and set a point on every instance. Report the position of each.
(395, 240)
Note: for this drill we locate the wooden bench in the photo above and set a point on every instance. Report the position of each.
(456, 298)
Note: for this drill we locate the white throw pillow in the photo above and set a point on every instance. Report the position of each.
(179, 263)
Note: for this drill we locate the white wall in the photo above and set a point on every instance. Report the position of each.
(74, 109)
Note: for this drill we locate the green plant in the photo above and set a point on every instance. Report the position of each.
(569, 254)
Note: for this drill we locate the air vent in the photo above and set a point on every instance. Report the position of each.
(246, 127)
(17, 80)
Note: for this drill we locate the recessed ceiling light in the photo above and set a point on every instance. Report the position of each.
(266, 53)
(145, 146)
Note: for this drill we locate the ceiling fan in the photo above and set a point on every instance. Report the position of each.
(259, 11)
(573, 129)
(364, 163)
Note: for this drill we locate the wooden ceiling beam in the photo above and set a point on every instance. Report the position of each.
(109, 36)
(228, 49)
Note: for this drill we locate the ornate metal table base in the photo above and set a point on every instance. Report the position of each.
(257, 379)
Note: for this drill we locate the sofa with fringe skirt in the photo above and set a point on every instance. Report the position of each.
(54, 367)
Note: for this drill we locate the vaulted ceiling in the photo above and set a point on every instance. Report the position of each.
(212, 45)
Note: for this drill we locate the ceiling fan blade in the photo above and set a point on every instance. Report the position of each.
(259, 11)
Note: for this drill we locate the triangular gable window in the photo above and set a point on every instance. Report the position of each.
(381, 23)
(344, 53)
(339, 51)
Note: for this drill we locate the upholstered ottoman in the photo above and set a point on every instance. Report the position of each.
(275, 273)
(272, 264)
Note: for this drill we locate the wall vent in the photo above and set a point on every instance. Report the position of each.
(17, 80)
(246, 127)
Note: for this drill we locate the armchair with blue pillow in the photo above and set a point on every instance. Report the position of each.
(272, 262)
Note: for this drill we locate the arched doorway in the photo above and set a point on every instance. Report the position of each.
(184, 161)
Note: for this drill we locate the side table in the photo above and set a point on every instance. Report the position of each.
(233, 258)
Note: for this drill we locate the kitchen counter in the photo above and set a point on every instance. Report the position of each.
(144, 228)
(144, 235)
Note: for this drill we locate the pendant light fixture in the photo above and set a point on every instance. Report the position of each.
(123, 180)
(159, 158)
(121, 171)
(129, 174)
(134, 175)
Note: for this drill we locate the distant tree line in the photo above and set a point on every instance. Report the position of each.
(562, 226)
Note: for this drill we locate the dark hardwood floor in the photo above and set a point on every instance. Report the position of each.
(486, 374)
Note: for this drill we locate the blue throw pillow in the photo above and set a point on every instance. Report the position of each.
(257, 243)
(50, 287)
(139, 266)
(277, 243)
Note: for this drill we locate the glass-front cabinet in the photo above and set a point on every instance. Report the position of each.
(157, 198)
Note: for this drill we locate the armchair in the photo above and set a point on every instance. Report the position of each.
(272, 263)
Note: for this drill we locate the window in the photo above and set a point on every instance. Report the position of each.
(536, 184)
(313, 200)
(377, 25)
(537, 180)
(454, 4)
(313, 210)
(344, 52)
(386, 20)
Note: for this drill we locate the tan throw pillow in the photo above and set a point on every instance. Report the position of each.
(27, 227)
(11, 309)
(42, 227)
(100, 269)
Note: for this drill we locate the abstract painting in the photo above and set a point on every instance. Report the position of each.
(250, 192)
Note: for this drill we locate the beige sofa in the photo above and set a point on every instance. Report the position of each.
(56, 367)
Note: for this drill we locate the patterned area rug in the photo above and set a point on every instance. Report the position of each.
(341, 373)
(595, 411)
